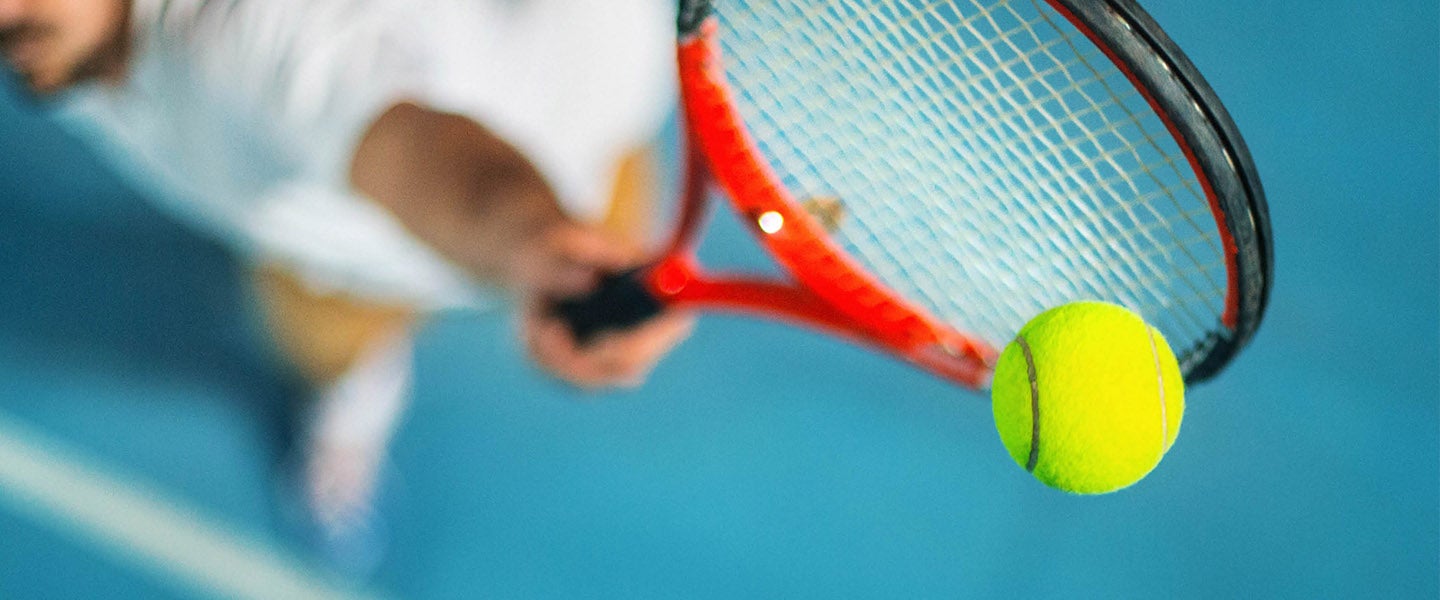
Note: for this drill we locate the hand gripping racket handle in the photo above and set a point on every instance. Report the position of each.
(619, 301)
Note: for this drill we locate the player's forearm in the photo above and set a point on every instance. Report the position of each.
(457, 186)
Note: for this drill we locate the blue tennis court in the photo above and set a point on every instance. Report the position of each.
(140, 403)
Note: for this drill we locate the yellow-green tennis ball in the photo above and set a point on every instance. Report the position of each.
(1088, 397)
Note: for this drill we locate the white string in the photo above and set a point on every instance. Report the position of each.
(991, 162)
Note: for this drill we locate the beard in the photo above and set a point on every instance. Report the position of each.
(41, 77)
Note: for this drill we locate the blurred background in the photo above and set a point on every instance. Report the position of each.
(139, 400)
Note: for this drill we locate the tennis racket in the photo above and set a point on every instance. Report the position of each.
(930, 174)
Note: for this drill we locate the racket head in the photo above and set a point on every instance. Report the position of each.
(937, 174)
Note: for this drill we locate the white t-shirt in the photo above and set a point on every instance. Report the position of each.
(242, 116)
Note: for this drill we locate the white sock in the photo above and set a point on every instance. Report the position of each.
(352, 423)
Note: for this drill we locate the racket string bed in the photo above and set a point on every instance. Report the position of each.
(988, 160)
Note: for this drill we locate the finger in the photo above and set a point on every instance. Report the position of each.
(617, 358)
(627, 357)
(569, 260)
(553, 347)
(546, 273)
(568, 280)
(592, 248)
(550, 347)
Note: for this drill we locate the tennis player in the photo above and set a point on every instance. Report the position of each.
(375, 161)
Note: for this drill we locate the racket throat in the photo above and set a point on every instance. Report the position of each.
(679, 282)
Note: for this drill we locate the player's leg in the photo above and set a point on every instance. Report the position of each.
(357, 356)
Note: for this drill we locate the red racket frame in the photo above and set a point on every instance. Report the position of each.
(830, 291)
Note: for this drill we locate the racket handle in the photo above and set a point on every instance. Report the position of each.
(619, 301)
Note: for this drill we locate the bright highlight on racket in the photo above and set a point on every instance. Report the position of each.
(932, 174)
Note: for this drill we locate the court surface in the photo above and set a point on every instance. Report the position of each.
(139, 404)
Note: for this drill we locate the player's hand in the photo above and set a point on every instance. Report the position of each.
(567, 261)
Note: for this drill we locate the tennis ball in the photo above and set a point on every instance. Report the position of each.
(1088, 397)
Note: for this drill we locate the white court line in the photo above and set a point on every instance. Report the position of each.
(142, 527)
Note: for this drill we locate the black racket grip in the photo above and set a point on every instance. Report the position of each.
(619, 301)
